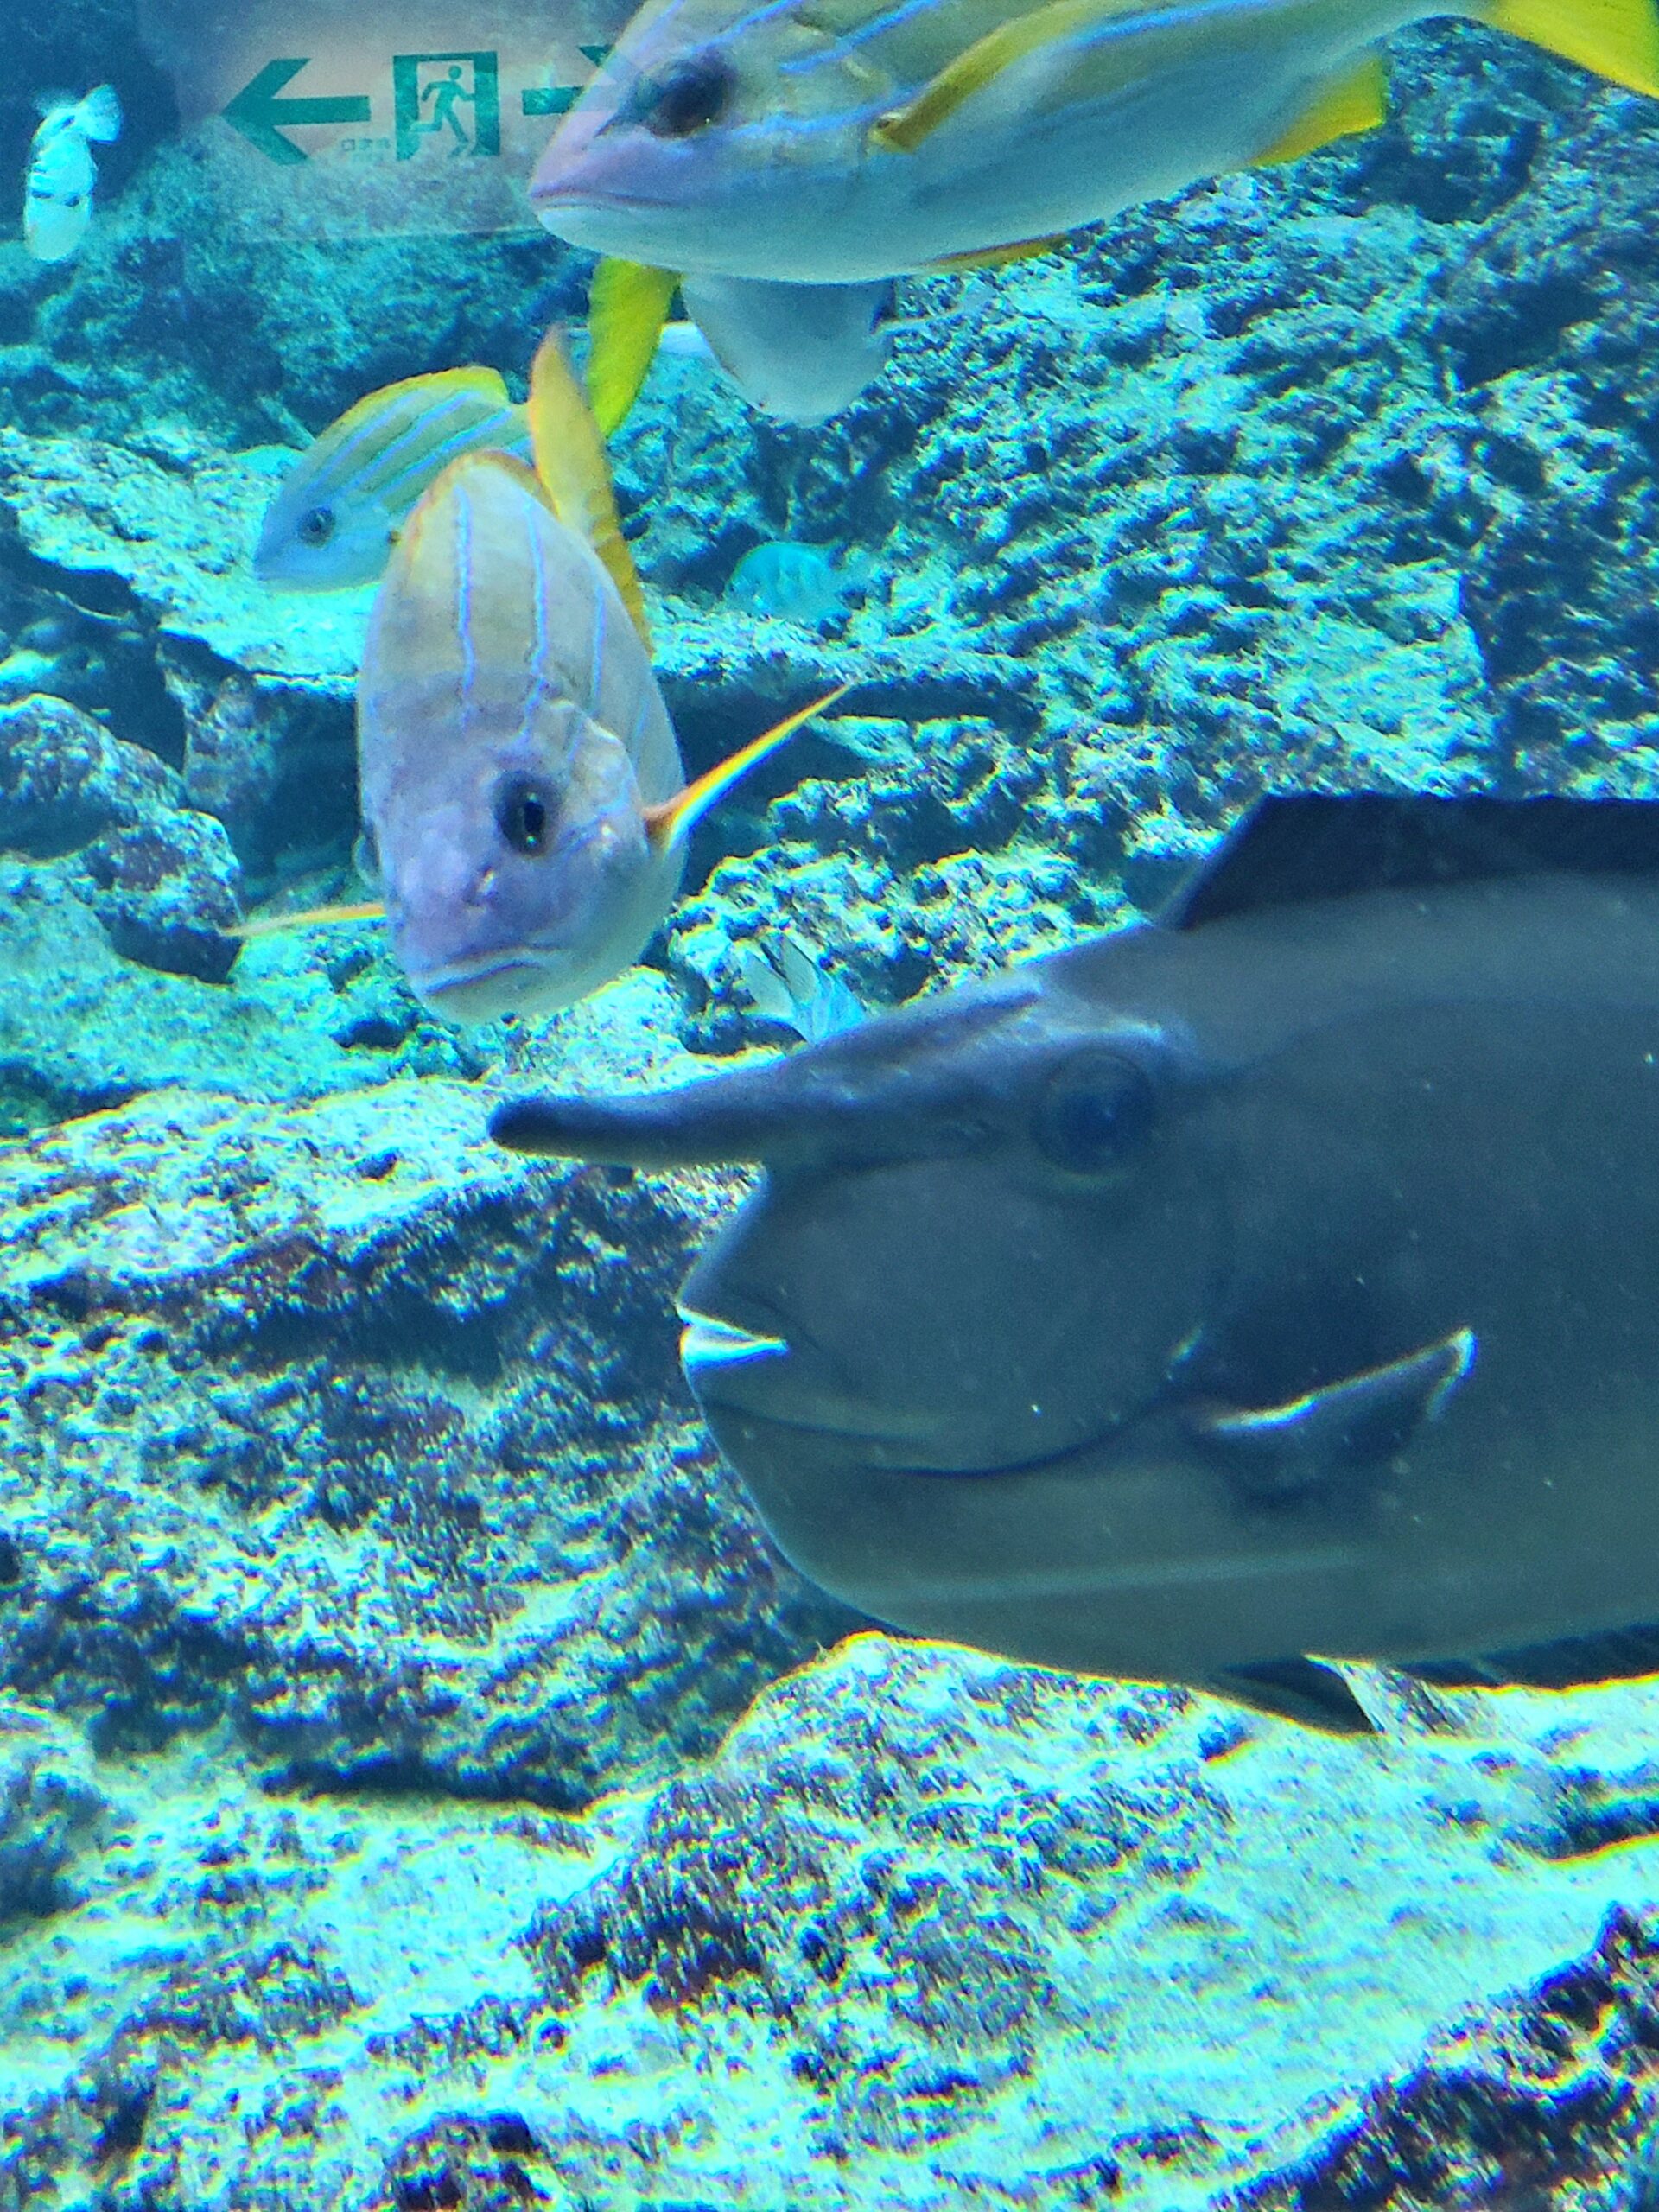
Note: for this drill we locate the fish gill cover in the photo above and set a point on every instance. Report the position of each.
(423, 1781)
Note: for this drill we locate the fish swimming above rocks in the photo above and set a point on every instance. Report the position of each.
(854, 140)
(784, 985)
(785, 581)
(522, 790)
(1272, 1283)
(336, 515)
(59, 182)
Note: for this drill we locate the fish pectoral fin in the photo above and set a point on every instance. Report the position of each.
(1297, 1689)
(627, 306)
(1364, 1417)
(1357, 100)
(670, 822)
(367, 910)
(1616, 39)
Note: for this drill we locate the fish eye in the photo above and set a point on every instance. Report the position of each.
(1092, 1112)
(315, 526)
(524, 815)
(689, 97)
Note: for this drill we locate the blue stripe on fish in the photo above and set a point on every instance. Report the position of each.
(539, 685)
(1113, 27)
(428, 461)
(464, 607)
(595, 666)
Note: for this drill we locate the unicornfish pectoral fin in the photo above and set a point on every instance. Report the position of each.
(670, 822)
(1616, 39)
(1277, 1450)
(1296, 1690)
(627, 305)
(574, 472)
(1357, 100)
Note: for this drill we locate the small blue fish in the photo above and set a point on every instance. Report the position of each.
(788, 986)
(792, 583)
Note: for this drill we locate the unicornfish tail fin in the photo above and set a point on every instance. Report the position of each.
(670, 822)
(1616, 39)
(574, 474)
(627, 306)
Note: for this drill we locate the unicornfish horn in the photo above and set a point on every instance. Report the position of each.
(740, 1117)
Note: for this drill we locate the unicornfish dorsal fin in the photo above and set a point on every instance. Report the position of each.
(1357, 100)
(627, 305)
(574, 474)
(1320, 846)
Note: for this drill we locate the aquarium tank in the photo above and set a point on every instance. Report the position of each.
(829, 1106)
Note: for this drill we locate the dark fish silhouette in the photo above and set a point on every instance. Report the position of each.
(1277, 1278)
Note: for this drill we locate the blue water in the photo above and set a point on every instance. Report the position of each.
(454, 1751)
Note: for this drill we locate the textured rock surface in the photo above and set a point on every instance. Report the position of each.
(389, 1816)
(928, 1931)
(340, 1426)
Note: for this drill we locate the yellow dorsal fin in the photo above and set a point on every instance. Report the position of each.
(627, 306)
(670, 822)
(370, 910)
(902, 130)
(574, 474)
(1357, 100)
(998, 257)
(1619, 38)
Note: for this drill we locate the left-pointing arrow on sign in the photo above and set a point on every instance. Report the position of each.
(261, 118)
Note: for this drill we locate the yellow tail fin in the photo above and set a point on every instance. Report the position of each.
(1357, 100)
(1619, 38)
(574, 474)
(627, 306)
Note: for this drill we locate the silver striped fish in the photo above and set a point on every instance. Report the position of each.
(842, 141)
(334, 520)
(521, 787)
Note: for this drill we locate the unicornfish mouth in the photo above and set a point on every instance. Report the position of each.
(709, 1347)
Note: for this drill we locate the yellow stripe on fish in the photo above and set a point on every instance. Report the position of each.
(1618, 39)
(854, 140)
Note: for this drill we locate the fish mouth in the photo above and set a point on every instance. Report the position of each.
(709, 1347)
(481, 989)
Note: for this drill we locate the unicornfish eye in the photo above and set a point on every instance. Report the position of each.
(1093, 1112)
(315, 526)
(523, 816)
(689, 96)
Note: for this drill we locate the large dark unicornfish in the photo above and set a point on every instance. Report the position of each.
(1280, 1278)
